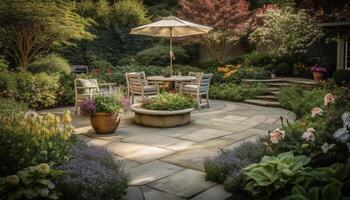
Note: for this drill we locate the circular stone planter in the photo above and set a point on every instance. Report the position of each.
(161, 118)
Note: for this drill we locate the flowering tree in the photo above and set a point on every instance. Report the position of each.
(227, 17)
(285, 32)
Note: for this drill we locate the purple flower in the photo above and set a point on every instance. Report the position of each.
(88, 107)
(318, 69)
(124, 101)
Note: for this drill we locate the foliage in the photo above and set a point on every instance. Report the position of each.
(227, 17)
(31, 139)
(327, 11)
(280, 3)
(342, 77)
(299, 100)
(102, 103)
(37, 90)
(113, 41)
(235, 74)
(159, 55)
(228, 164)
(31, 28)
(169, 101)
(3, 63)
(257, 59)
(9, 107)
(50, 64)
(286, 32)
(31, 183)
(235, 92)
(282, 69)
(92, 173)
(273, 173)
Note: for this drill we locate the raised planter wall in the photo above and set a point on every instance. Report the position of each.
(161, 118)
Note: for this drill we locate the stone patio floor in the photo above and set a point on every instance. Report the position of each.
(167, 164)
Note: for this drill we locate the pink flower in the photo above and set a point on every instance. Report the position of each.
(329, 99)
(316, 111)
(276, 135)
(309, 135)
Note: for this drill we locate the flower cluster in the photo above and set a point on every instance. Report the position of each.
(318, 69)
(229, 70)
(309, 135)
(342, 134)
(277, 135)
(88, 107)
(316, 111)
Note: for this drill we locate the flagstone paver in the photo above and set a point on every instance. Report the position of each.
(168, 163)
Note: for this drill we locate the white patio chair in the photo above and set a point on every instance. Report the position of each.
(138, 85)
(199, 89)
(88, 88)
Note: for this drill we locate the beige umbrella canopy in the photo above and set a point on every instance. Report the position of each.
(171, 27)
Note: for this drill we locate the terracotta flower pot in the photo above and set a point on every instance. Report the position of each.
(317, 76)
(104, 123)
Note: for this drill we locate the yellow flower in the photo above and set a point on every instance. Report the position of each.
(305, 146)
(43, 168)
(66, 118)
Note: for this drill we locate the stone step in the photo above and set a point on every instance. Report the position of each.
(268, 97)
(263, 102)
(274, 92)
(279, 84)
(270, 89)
(263, 80)
(301, 81)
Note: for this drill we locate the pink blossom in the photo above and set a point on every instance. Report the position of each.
(276, 135)
(316, 111)
(329, 99)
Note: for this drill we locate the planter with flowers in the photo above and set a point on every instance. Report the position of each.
(318, 72)
(105, 112)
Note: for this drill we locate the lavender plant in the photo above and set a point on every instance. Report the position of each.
(93, 173)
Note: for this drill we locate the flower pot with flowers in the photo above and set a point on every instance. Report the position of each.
(105, 112)
(318, 72)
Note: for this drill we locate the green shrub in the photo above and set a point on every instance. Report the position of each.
(159, 55)
(169, 101)
(342, 77)
(256, 59)
(50, 64)
(3, 63)
(235, 92)
(36, 90)
(301, 101)
(128, 60)
(129, 13)
(100, 64)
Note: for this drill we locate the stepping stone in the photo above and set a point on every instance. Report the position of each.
(93, 141)
(262, 102)
(268, 97)
(267, 126)
(182, 145)
(152, 194)
(128, 164)
(152, 171)
(214, 144)
(217, 192)
(151, 139)
(250, 139)
(178, 131)
(279, 84)
(137, 152)
(205, 134)
(192, 159)
(186, 183)
(235, 118)
(240, 136)
(273, 89)
(255, 120)
(133, 193)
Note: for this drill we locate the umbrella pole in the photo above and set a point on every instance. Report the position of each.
(171, 51)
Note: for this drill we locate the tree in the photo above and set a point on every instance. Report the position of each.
(229, 19)
(285, 32)
(30, 28)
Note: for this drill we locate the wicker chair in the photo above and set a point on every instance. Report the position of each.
(199, 89)
(138, 85)
(88, 88)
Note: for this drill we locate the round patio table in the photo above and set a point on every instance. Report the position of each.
(171, 80)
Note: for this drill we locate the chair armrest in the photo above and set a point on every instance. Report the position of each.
(107, 84)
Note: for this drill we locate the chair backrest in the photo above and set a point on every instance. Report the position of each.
(89, 84)
(204, 82)
(136, 83)
(196, 74)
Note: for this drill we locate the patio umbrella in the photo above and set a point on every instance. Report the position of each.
(171, 27)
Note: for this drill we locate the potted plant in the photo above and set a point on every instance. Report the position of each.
(318, 72)
(105, 112)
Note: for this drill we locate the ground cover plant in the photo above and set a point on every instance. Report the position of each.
(237, 92)
(169, 101)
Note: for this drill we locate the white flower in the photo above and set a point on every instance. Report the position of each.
(326, 147)
(346, 119)
(329, 99)
(316, 111)
(342, 135)
(311, 130)
(276, 135)
(308, 136)
(30, 114)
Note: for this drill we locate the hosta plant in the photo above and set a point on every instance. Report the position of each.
(169, 101)
(34, 182)
(273, 173)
